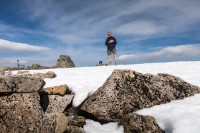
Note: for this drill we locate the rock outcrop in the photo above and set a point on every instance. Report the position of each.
(64, 61)
(127, 91)
(22, 104)
(134, 123)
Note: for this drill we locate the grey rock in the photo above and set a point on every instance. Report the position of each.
(20, 72)
(55, 103)
(74, 129)
(64, 61)
(20, 84)
(134, 123)
(48, 74)
(78, 121)
(127, 91)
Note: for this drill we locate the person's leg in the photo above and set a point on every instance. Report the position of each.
(109, 57)
(115, 58)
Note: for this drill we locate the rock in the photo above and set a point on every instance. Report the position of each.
(61, 122)
(78, 121)
(74, 129)
(126, 91)
(55, 103)
(75, 124)
(21, 112)
(134, 123)
(2, 72)
(48, 74)
(20, 84)
(57, 90)
(8, 73)
(64, 61)
(22, 72)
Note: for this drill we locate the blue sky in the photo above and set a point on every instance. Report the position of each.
(146, 30)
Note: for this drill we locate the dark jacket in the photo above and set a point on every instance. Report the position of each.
(111, 45)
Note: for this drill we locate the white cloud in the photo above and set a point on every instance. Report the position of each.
(143, 18)
(140, 28)
(173, 53)
(14, 46)
(157, 17)
(76, 31)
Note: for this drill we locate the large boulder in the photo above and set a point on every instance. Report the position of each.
(64, 61)
(21, 112)
(134, 123)
(20, 84)
(127, 91)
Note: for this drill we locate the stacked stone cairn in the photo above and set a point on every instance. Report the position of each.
(26, 106)
(64, 61)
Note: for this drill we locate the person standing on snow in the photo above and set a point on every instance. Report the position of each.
(111, 43)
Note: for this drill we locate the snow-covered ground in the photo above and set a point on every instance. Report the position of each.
(178, 116)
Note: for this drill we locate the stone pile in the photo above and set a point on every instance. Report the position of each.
(20, 105)
(25, 106)
(64, 61)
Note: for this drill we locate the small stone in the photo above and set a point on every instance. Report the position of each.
(57, 90)
(134, 123)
